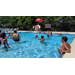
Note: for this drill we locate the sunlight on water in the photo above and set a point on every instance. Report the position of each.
(30, 47)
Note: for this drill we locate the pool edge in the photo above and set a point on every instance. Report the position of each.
(49, 32)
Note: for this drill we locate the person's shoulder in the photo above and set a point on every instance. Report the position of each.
(5, 39)
(43, 39)
(17, 34)
(65, 44)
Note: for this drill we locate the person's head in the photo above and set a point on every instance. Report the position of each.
(51, 33)
(42, 37)
(44, 32)
(9, 33)
(3, 35)
(0, 31)
(36, 36)
(60, 34)
(64, 39)
(15, 31)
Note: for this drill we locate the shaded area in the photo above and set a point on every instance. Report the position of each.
(59, 23)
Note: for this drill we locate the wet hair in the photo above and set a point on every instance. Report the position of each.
(36, 36)
(65, 38)
(3, 35)
(42, 36)
(0, 31)
(15, 31)
(9, 33)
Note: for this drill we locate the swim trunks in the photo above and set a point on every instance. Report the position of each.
(16, 39)
(3, 46)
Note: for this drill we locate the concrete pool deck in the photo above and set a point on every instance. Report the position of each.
(67, 55)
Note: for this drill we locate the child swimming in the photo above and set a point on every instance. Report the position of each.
(36, 36)
(51, 34)
(44, 33)
(48, 35)
(42, 40)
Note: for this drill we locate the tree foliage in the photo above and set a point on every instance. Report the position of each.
(59, 23)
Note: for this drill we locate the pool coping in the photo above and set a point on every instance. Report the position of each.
(67, 55)
(49, 32)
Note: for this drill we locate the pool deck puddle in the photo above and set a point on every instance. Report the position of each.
(67, 55)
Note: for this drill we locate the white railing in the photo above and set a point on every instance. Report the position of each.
(8, 29)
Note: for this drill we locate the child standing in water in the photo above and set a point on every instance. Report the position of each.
(4, 43)
(9, 35)
(16, 36)
(36, 36)
(48, 36)
(42, 38)
(51, 34)
(44, 33)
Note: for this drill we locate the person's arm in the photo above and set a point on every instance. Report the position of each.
(67, 49)
(7, 43)
(13, 36)
(39, 39)
(19, 37)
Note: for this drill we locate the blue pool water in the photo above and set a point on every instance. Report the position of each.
(30, 47)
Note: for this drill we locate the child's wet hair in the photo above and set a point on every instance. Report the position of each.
(3, 35)
(36, 35)
(42, 36)
(15, 31)
(65, 38)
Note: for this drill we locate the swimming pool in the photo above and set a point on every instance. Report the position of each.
(30, 47)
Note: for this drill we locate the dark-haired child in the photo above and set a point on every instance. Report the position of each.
(36, 36)
(42, 38)
(64, 47)
(4, 43)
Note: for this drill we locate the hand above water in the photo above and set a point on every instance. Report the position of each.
(8, 47)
